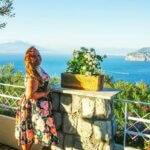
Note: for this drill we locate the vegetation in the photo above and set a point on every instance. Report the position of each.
(6, 8)
(142, 54)
(85, 62)
(129, 91)
(144, 50)
(135, 92)
(8, 75)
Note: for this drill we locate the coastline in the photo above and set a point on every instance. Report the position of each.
(115, 66)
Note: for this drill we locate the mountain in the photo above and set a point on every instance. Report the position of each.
(142, 54)
(19, 47)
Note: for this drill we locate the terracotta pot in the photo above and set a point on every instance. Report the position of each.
(84, 82)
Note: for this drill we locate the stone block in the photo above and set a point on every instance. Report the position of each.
(65, 103)
(77, 143)
(84, 128)
(107, 147)
(87, 107)
(101, 145)
(102, 131)
(69, 123)
(102, 108)
(55, 101)
(109, 130)
(87, 144)
(61, 139)
(58, 120)
(118, 147)
(68, 142)
(55, 147)
(76, 103)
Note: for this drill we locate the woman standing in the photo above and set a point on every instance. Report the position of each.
(34, 119)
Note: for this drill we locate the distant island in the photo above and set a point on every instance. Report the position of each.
(142, 54)
(20, 47)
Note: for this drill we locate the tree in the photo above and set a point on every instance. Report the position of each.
(6, 8)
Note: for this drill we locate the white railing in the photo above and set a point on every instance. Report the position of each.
(5, 104)
(133, 130)
(16, 86)
(9, 99)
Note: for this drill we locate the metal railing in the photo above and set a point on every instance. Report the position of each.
(9, 99)
(135, 125)
(9, 96)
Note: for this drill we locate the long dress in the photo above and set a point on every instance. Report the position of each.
(35, 121)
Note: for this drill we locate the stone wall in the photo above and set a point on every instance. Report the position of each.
(84, 120)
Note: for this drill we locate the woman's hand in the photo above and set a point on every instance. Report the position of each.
(31, 90)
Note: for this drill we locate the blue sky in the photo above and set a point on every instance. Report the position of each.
(68, 24)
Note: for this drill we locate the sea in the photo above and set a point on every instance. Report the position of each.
(115, 66)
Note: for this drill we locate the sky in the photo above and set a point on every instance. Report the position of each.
(63, 25)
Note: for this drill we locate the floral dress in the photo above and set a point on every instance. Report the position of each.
(35, 121)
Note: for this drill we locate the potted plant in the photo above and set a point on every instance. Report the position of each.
(84, 71)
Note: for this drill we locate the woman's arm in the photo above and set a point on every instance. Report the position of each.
(32, 86)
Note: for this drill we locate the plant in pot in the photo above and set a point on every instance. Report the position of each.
(84, 71)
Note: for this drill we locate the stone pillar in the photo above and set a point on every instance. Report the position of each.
(83, 119)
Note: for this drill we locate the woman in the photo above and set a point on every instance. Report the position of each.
(34, 119)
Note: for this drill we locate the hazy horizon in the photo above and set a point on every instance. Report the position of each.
(19, 47)
(65, 25)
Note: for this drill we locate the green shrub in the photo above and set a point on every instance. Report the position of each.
(85, 62)
(135, 92)
(129, 91)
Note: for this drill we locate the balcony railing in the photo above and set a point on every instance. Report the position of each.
(9, 97)
(134, 124)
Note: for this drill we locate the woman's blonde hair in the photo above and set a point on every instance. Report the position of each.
(31, 64)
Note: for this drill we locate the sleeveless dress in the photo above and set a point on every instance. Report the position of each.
(35, 121)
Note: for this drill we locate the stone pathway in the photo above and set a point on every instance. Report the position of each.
(6, 147)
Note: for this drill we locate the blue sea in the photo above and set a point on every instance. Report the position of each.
(114, 66)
